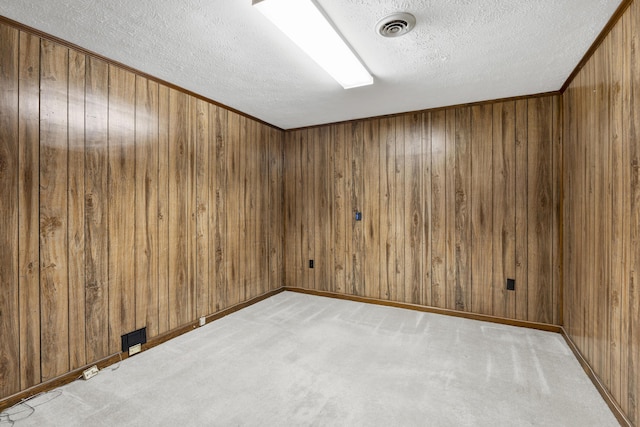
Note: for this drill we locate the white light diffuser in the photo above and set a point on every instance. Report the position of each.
(306, 25)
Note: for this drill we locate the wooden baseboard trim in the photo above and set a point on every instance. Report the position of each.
(473, 316)
(71, 376)
(608, 397)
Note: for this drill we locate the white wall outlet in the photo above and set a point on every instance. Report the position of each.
(203, 320)
(90, 373)
(134, 349)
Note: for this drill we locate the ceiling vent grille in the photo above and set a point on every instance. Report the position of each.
(396, 25)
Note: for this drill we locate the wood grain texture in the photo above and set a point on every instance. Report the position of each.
(122, 199)
(146, 206)
(341, 209)
(482, 290)
(54, 266)
(96, 210)
(200, 134)
(75, 209)
(414, 211)
(504, 207)
(601, 188)
(114, 204)
(399, 277)
(9, 291)
(438, 223)
(371, 207)
(521, 198)
(387, 152)
(163, 209)
(179, 293)
(222, 195)
(443, 223)
(28, 207)
(540, 204)
(463, 165)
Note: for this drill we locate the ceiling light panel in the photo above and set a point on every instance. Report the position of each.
(307, 26)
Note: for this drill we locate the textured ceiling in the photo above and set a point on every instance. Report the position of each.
(460, 50)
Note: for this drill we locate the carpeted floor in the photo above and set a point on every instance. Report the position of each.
(300, 360)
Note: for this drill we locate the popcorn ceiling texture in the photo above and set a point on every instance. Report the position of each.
(460, 50)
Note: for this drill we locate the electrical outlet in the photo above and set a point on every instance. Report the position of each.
(511, 284)
(203, 321)
(90, 373)
(135, 349)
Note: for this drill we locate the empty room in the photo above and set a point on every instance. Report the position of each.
(320, 212)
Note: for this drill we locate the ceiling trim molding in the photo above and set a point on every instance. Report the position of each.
(22, 27)
(432, 110)
(597, 42)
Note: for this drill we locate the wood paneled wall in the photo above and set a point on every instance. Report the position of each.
(124, 203)
(601, 212)
(453, 203)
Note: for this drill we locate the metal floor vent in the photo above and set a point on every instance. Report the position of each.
(396, 25)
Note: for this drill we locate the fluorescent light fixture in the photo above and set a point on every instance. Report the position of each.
(306, 25)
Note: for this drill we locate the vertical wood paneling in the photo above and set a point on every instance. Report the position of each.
(617, 281)
(504, 208)
(357, 200)
(201, 147)
(122, 198)
(438, 223)
(429, 297)
(463, 285)
(191, 204)
(482, 290)
(398, 224)
(221, 203)
(262, 205)
(634, 230)
(276, 232)
(341, 207)
(299, 260)
(601, 197)
(323, 210)
(448, 213)
(233, 208)
(75, 210)
(96, 210)
(307, 196)
(217, 217)
(163, 209)
(451, 197)
(371, 208)
(54, 266)
(179, 298)
(119, 201)
(290, 217)
(522, 224)
(540, 204)
(28, 193)
(244, 257)
(413, 210)
(603, 211)
(9, 292)
(146, 207)
(387, 241)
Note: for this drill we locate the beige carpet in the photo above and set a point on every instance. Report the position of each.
(300, 360)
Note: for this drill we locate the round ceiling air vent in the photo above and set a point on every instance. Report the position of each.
(396, 25)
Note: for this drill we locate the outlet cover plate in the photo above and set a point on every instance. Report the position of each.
(90, 372)
(135, 349)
